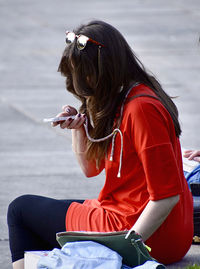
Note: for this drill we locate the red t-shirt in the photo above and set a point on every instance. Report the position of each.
(151, 170)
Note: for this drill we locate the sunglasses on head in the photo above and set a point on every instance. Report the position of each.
(81, 41)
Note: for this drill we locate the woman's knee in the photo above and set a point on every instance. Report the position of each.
(16, 207)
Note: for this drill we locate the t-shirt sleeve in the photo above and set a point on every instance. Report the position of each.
(154, 140)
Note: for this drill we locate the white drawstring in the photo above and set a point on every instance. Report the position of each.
(121, 152)
(113, 135)
(112, 148)
(98, 139)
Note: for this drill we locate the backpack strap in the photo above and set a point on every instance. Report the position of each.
(141, 95)
(118, 122)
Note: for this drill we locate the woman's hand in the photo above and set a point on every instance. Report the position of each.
(79, 139)
(70, 123)
(192, 155)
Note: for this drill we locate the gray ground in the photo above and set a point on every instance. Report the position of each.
(35, 158)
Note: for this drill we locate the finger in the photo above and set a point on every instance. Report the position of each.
(186, 155)
(194, 154)
(80, 122)
(54, 124)
(66, 124)
(187, 152)
(69, 109)
(197, 159)
(72, 124)
(66, 109)
(62, 114)
(75, 123)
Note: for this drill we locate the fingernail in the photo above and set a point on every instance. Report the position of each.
(79, 115)
(69, 119)
(67, 109)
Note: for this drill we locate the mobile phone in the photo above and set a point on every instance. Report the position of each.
(57, 119)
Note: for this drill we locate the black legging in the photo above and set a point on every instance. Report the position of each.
(33, 222)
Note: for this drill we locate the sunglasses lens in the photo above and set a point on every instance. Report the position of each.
(70, 37)
(81, 42)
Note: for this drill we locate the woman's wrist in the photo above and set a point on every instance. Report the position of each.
(79, 140)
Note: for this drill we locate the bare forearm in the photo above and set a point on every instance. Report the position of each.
(153, 216)
(79, 140)
(79, 146)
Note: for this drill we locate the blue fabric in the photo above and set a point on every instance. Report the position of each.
(87, 255)
(81, 255)
(193, 176)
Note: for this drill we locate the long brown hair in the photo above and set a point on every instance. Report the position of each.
(101, 79)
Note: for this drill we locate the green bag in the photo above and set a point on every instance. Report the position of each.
(132, 250)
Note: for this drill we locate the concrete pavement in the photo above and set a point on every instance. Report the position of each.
(35, 158)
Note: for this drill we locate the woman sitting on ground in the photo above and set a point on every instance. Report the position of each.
(132, 132)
